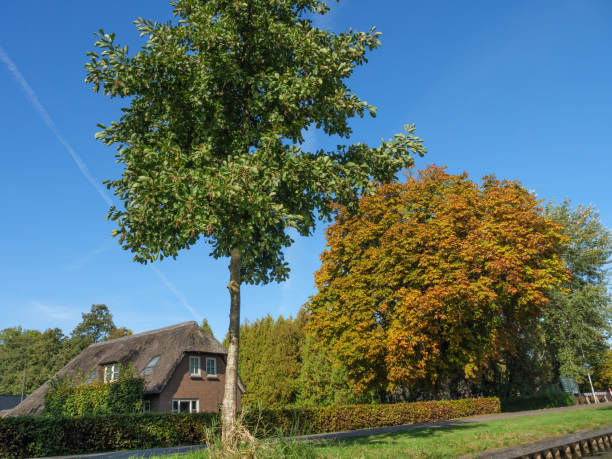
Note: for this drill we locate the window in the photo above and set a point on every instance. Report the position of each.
(93, 377)
(194, 366)
(111, 372)
(185, 406)
(211, 366)
(146, 406)
(149, 368)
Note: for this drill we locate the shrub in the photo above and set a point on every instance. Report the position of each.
(67, 399)
(32, 436)
(550, 398)
(35, 436)
(351, 417)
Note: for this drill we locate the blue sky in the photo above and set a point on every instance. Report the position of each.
(521, 89)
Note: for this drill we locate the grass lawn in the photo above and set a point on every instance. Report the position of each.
(466, 439)
(445, 442)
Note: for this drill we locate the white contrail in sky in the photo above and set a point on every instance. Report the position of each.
(31, 95)
(35, 102)
(176, 292)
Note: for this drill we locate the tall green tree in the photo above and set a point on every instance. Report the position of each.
(603, 372)
(42, 354)
(95, 326)
(38, 354)
(323, 380)
(270, 361)
(577, 322)
(212, 137)
(206, 326)
(281, 366)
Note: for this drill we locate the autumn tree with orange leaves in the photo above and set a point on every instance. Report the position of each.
(432, 278)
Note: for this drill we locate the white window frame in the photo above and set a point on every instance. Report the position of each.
(195, 358)
(214, 364)
(111, 372)
(176, 404)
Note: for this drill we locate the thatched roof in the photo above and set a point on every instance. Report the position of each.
(169, 343)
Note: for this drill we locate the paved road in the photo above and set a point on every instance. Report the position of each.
(340, 435)
(137, 453)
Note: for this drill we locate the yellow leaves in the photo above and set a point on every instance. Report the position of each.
(424, 270)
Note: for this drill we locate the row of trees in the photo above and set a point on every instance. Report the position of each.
(281, 367)
(440, 287)
(42, 354)
(211, 141)
(436, 287)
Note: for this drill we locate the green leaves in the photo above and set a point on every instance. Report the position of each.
(71, 397)
(578, 319)
(211, 139)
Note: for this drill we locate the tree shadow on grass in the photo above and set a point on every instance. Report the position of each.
(606, 408)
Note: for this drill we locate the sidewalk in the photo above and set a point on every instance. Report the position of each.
(340, 435)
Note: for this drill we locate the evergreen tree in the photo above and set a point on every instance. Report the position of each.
(323, 380)
(206, 327)
(270, 361)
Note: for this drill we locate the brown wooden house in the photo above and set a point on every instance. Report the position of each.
(183, 368)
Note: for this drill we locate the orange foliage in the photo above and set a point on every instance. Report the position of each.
(433, 277)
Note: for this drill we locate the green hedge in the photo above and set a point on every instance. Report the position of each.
(67, 399)
(36, 436)
(44, 436)
(539, 400)
(337, 418)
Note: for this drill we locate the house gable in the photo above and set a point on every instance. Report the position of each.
(170, 344)
(206, 389)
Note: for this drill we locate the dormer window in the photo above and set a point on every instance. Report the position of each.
(194, 366)
(111, 372)
(149, 368)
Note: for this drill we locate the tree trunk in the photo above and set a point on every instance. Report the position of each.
(228, 413)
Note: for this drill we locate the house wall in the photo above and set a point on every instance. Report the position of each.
(208, 390)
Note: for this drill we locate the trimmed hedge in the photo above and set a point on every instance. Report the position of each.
(36, 436)
(539, 400)
(351, 417)
(44, 436)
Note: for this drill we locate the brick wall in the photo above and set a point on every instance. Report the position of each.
(208, 390)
